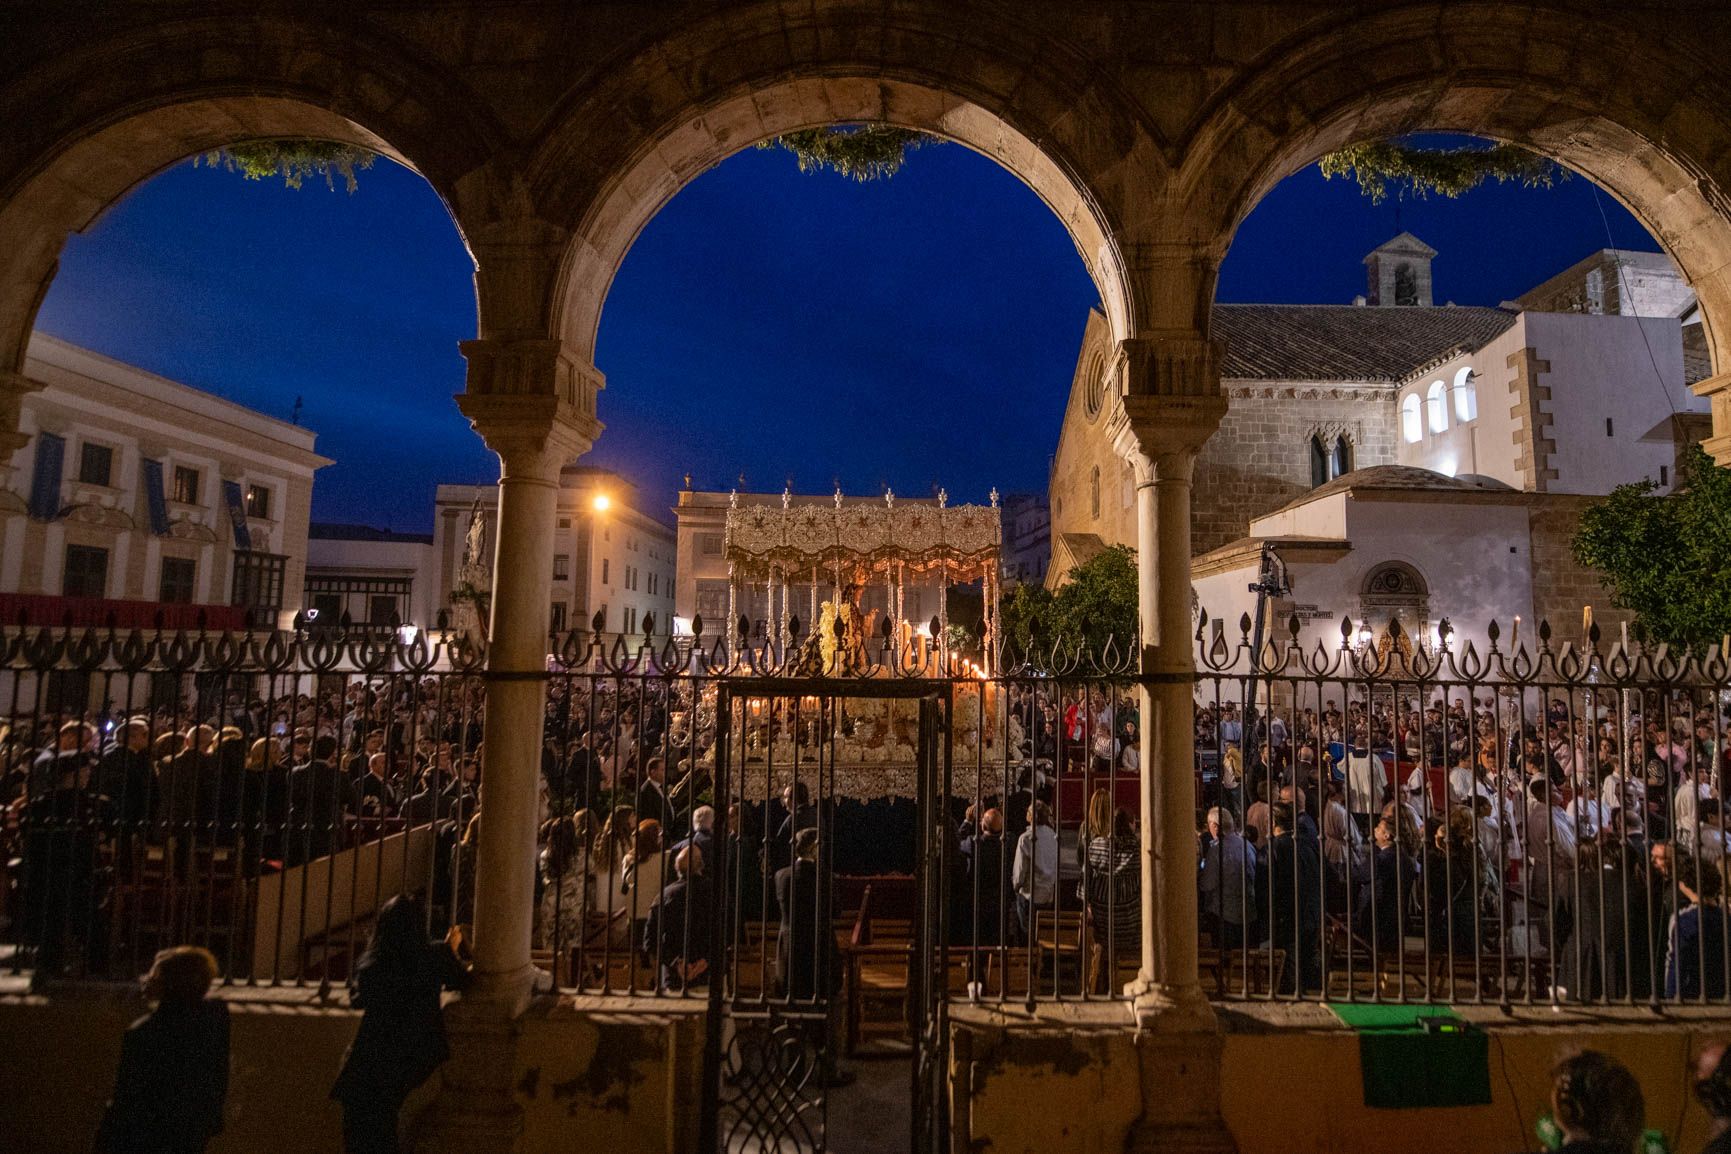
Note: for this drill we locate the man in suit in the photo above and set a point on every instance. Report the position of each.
(374, 793)
(581, 786)
(125, 776)
(678, 932)
(805, 961)
(318, 795)
(804, 949)
(653, 803)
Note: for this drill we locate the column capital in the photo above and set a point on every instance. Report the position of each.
(1179, 365)
(529, 398)
(1717, 390)
(1160, 436)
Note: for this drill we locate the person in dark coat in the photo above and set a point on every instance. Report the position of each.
(318, 795)
(805, 945)
(987, 883)
(653, 801)
(401, 1041)
(679, 930)
(173, 1079)
(580, 786)
(62, 884)
(1695, 960)
(1295, 898)
(125, 776)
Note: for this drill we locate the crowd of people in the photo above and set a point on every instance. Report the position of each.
(1584, 832)
(1586, 836)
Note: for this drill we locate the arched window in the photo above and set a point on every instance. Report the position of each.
(1466, 395)
(1437, 407)
(1094, 491)
(1318, 462)
(1342, 462)
(1411, 424)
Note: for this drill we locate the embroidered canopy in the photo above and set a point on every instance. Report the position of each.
(921, 536)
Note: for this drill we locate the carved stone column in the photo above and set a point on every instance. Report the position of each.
(1169, 407)
(534, 406)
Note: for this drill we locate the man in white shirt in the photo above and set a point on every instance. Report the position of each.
(1035, 874)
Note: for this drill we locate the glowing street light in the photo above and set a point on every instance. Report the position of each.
(602, 502)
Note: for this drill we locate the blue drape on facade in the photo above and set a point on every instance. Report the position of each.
(237, 514)
(45, 481)
(156, 498)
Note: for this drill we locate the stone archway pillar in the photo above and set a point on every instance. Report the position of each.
(534, 405)
(1170, 406)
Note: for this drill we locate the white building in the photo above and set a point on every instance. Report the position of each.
(612, 561)
(138, 496)
(370, 576)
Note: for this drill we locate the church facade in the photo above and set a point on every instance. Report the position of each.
(1397, 400)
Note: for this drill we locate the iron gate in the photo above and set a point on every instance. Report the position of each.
(775, 969)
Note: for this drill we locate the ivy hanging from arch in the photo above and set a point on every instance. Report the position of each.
(859, 152)
(293, 159)
(1382, 167)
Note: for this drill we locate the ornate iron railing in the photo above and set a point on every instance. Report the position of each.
(275, 854)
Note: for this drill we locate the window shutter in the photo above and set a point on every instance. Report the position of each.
(156, 497)
(237, 514)
(45, 481)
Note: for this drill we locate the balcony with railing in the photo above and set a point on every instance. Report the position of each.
(41, 609)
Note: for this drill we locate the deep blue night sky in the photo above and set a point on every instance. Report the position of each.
(910, 332)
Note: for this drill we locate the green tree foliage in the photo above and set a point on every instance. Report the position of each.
(859, 152)
(1667, 558)
(1384, 166)
(1096, 604)
(293, 160)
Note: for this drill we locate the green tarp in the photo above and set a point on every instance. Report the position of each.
(1406, 1066)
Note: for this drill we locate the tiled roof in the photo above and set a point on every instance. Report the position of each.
(1347, 342)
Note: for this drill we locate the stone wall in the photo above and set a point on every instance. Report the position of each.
(1260, 457)
(1560, 586)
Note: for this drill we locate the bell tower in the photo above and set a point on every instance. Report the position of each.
(1398, 272)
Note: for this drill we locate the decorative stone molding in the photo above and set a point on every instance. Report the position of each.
(1717, 390)
(1169, 367)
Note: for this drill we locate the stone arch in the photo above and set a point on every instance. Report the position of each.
(1645, 119)
(622, 147)
(92, 123)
